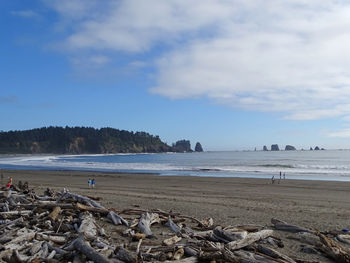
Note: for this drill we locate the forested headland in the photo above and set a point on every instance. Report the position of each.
(83, 140)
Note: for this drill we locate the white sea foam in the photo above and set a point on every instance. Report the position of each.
(211, 164)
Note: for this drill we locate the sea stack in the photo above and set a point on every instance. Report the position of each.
(289, 148)
(317, 148)
(182, 146)
(274, 147)
(198, 147)
(265, 148)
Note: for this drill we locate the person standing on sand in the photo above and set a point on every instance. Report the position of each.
(9, 184)
(89, 183)
(284, 176)
(93, 183)
(273, 179)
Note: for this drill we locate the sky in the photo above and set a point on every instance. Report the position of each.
(231, 74)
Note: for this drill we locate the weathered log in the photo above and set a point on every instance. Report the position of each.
(307, 238)
(117, 219)
(11, 214)
(281, 225)
(146, 221)
(88, 251)
(249, 239)
(249, 257)
(174, 227)
(102, 211)
(55, 213)
(22, 235)
(88, 225)
(334, 250)
(274, 254)
(52, 238)
(226, 236)
(172, 240)
(79, 198)
(124, 255)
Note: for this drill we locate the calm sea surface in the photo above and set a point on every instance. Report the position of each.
(311, 165)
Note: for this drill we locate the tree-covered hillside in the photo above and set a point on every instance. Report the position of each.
(78, 140)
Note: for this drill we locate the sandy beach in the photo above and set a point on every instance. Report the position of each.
(321, 204)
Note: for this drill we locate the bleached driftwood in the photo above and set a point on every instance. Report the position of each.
(55, 213)
(249, 239)
(171, 241)
(82, 207)
(334, 250)
(79, 198)
(146, 221)
(88, 251)
(281, 225)
(228, 236)
(88, 225)
(174, 227)
(117, 219)
(274, 254)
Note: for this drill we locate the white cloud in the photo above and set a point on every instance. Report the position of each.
(340, 134)
(287, 56)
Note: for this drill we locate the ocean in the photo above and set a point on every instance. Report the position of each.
(331, 165)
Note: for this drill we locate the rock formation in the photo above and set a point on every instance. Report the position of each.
(274, 147)
(289, 148)
(182, 146)
(317, 148)
(311, 149)
(265, 148)
(198, 147)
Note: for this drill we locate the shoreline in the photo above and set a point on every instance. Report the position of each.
(314, 204)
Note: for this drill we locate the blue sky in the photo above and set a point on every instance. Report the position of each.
(233, 75)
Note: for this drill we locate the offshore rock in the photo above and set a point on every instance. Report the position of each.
(198, 147)
(317, 148)
(289, 148)
(265, 148)
(274, 147)
(182, 146)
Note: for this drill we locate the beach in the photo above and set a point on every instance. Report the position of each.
(323, 205)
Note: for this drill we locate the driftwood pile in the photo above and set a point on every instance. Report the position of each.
(68, 227)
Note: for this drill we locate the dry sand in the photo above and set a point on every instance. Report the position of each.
(229, 201)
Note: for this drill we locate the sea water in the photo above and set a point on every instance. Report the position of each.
(308, 165)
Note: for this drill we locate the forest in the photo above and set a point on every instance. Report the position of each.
(79, 140)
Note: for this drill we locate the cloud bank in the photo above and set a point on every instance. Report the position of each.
(290, 57)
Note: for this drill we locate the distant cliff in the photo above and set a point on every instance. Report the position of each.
(79, 140)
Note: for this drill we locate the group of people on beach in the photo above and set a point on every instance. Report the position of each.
(91, 183)
(279, 180)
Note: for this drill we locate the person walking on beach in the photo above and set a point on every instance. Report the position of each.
(93, 183)
(284, 176)
(89, 183)
(273, 179)
(9, 184)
